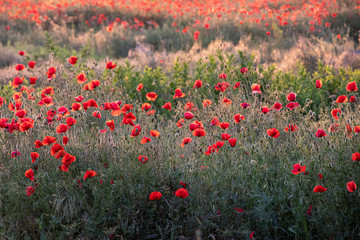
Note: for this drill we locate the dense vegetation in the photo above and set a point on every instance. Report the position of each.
(226, 145)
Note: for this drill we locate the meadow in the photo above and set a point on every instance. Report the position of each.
(214, 119)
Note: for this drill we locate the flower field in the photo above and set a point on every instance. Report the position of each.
(121, 120)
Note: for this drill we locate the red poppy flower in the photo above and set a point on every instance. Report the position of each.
(30, 190)
(90, 103)
(238, 117)
(318, 83)
(342, 99)
(226, 101)
(273, 132)
(110, 124)
(89, 174)
(38, 144)
(139, 87)
(56, 148)
(221, 87)
(48, 140)
(62, 128)
(155, 196)
(30, 174)
(197, 84)
(291, 128)
(336, 113)
(110, 65)
(196, 125)
(215, 122)
(16, 82)
(277, 106)
(319, 188)
(185, 141)
(256, 88)
(92, 85)
(79, 98)
(355, 156)
(19, 67)
(34, 156)
(291, 97)
(292, 105)
(145, 140)
(31, 64)
(206, 103)
(189, 106)
(222, 76)
(320, 133)
(51, 72)
(24, 126)
(199, 132)
(188, 115)
(352, 99)
(65, 140)
(70, 121)
(45, 100)
(298, 169)
(245, 105)
(351, 87)
(178, 93)
(135, 131)
(224, 125)
(181, 193)
(20, 113)
(21, 53)
(351, 186)
(232, 142)
(96, 114)
(154, 133)
(72, 60)
(180, 123)
(237, 85)
(225, 136)
(348, 130)
(15, 154)
(252, 235)
(81, 78)
(265, 110)
(244, 70)
(145, 106)
(76, 107)
(167, 106)
(151, 96)
(142, 159)
(357, 129)
(33, 80)
(48, 91)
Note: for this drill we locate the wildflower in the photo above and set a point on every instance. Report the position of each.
(30, 174)
(320, 133)
(155, 196)
(298, 169)
(273, 132)
(89, 174)
(30, 190)
(351, 186)
(319, 188)
(318, 83)
(72, 60)
(181, 193)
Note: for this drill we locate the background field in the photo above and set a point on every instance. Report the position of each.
(240, 192)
